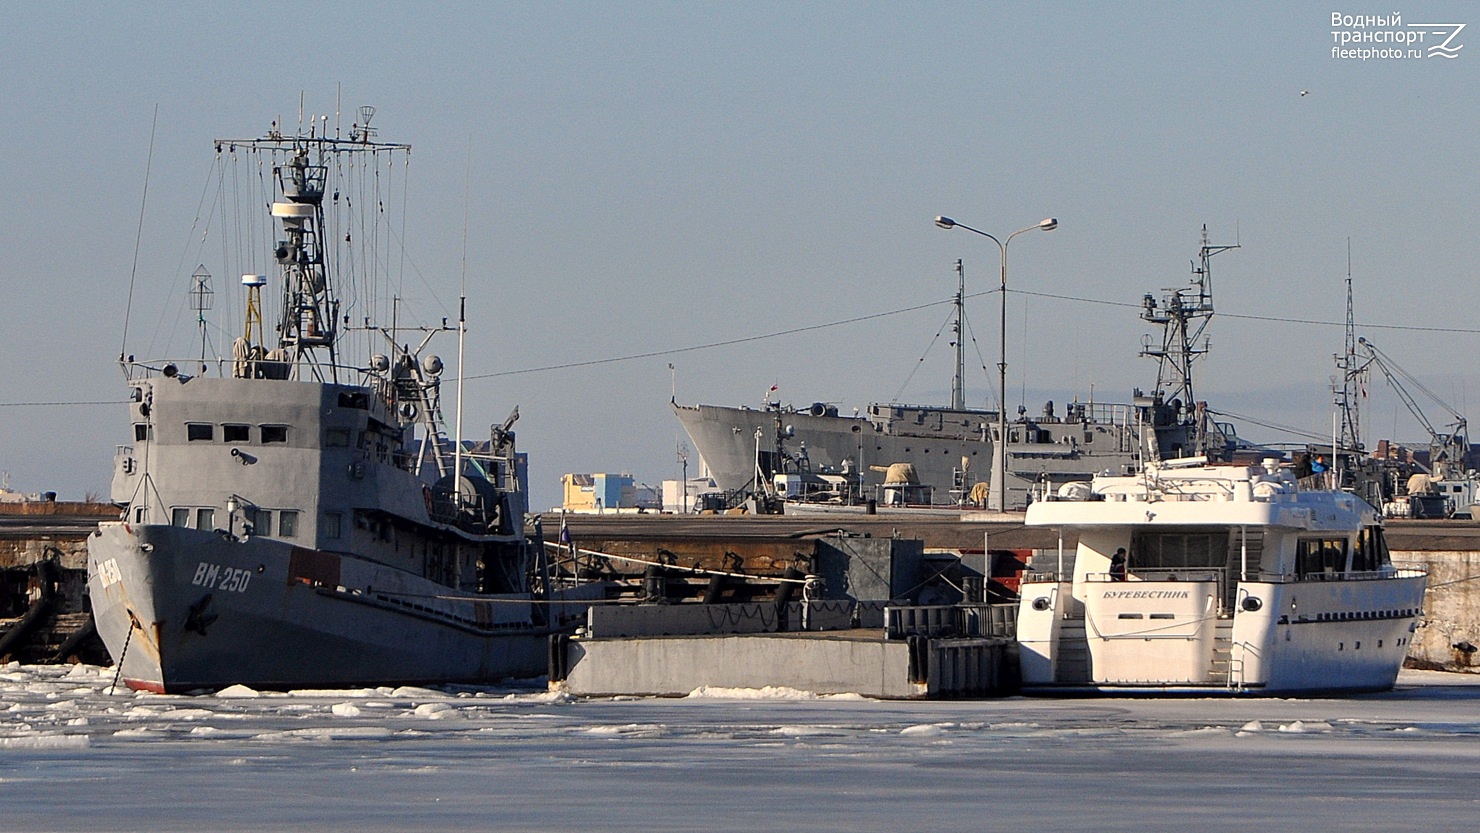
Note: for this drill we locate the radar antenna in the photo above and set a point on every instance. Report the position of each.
(201, 296)
(363, 132)
(253, 285)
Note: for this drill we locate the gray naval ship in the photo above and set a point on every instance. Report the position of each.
(292, 521)
(946, 450)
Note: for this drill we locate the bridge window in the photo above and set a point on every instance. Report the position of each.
(1320, 556)
(200, 431)
(236, 433)
(262, 521)
(331, 525)
(274, 434)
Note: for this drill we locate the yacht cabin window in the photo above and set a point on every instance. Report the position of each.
(1166, 551)
(1320, 556)
(1371, 553)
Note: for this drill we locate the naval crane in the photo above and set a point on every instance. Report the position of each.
(1447, 449)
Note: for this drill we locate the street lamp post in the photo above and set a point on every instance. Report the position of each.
(997, 498)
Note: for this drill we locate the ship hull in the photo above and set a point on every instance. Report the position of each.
(1347, 637)
(951, 450)
(183, 610)
(1359, 644)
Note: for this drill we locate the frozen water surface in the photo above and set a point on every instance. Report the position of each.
(75, 757)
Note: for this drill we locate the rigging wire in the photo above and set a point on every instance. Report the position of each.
(226, 260)
(1310, 322)
(185, 254)
(1274, 426)
(795, 330)
(711, 345)
(405, 200)
(921, 362)
(138, 236)
(976, 346)
(420, 275)
(878, 315)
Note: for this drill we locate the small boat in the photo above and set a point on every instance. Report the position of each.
(295, 518)
(1198, 578)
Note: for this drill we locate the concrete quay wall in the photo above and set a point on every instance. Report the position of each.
(677, 665)
(1448, 634)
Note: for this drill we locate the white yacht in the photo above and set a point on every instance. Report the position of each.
(1230, 579)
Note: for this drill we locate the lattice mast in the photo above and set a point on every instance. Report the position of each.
(308, 326)
(958, 381)
(201, 296)
(1183, 316)
(1354, 371)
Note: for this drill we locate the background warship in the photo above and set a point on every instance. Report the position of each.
(949, 448)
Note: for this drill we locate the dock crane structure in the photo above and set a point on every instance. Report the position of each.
(1448, 448)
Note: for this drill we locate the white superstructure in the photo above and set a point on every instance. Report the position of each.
(1238, 579)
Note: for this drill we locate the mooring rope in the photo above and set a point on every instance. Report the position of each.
(694, 570)
(118, 672)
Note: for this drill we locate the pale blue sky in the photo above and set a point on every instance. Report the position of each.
(653, 176)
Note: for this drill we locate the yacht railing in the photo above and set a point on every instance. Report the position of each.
(1204, 574)
(1354, 575)
(1164, 574)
